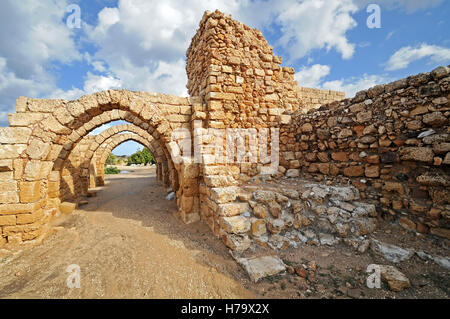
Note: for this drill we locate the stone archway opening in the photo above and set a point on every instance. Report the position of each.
(44, 133)
(84, 166)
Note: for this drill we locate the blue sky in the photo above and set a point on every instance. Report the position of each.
(141, 44)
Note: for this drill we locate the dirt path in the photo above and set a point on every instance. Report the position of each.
(128, 243)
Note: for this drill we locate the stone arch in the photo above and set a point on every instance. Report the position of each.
(43, 133)
(118, 139)
(96, 162)
(136, 122)
(92, 143)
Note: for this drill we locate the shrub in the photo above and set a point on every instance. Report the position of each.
(112, 170)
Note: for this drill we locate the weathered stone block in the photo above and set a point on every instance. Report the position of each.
(29, 191)
(419, 154)
(30, 218)
(67, 208)
(7, 220)
(235, 224)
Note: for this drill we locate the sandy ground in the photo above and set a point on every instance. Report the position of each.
(129, 243)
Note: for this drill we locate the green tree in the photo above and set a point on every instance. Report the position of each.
(111, 160)
(141, 157)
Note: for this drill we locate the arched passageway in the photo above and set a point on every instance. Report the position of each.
(46, 133)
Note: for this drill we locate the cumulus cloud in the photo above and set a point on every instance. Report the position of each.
(406, 55)
(312, 76)
(353, 85)
(315, 75)
(32, 36)
(92, 83)
(317, 24)
(148, 53)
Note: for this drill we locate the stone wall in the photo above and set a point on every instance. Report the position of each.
(315, 98)
(233, 68)
(392, 142)
(243, 85)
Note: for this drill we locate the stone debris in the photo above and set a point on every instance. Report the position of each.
(440, 260)
(261, 267)
(327, 239)
(67, 208)
(396, 280)
(170, 196)
(390, 252)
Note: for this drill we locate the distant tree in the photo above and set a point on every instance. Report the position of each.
(111, 160)
(141, 157)
(147, 156)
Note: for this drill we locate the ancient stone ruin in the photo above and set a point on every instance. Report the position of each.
(343, 164)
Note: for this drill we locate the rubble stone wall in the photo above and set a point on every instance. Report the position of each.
(392, 142)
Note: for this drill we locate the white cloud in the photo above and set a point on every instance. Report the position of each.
(353, 85)
(92, 83)
(32, 36)
(312, 76)
(316, 24)
(409, 6)
(406, 55)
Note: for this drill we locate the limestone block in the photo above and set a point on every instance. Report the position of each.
(29, 191)
(258, 227)
(7, 220)
(38, 149)
(232, 209)
(30, 218)
(235, 224)
(6, 165)
(224, 194)
(24, 119)
(67, 207)
(21, 104)
(419, 154)
(8, 186)
(14, 135)
(32, 170)
(396, 280)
